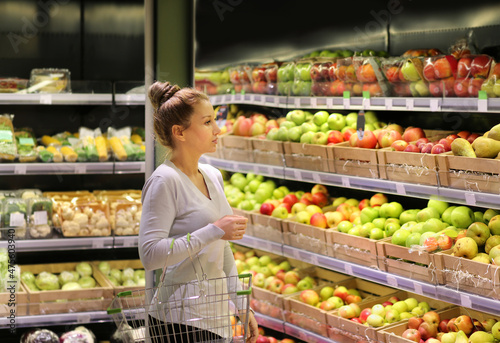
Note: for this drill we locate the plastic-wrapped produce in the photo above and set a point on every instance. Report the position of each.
(39, 336)
(8, 149)
(14, 215)
(79, 335)
(40, 218)
(26, 145)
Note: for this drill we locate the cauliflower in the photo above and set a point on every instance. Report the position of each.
(102, 223)
(121, 222)
(40, 231)
(137, 216)
(70, 228)
(128, 231)
(67, 213)
(81, 218)
(96, 232)
(88, 211)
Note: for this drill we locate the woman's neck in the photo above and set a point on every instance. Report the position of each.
(186, 164)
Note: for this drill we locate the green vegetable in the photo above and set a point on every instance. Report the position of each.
(70, 286)
(28, 277)
(116, 274)
(84, 269)
(91, 153)
(82, 155)
(66, 277)
(87, 282)
(128, 283)
(45, 155)
(47, 281)
(127, 274)
(104, 267)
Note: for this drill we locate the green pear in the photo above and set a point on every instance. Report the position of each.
(462, 147)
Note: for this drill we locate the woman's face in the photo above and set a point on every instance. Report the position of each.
(202, 134)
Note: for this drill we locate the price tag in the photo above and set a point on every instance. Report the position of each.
(40, 217)
(391, 280)
(388, 104)
(297, 174)
(345, 182)
(470, 199)
(482, 101)
(276, 100)
(366, 100)
(143, 167)
(348, 269)
(97, 244)
(16, 219)
(80, 168)
(314, 260)
(465, 300)
(316, 178)
(434, 105)
(46, 99)
(329, 102)
(400, 188)
(130, 242)
(297, 102)
(83, 318)
(314, 102)
(296, 254)
(410, 103)
(20, 169)
(418, 288)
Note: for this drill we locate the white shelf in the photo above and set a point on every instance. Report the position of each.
(76, 243)
(457, 297)
(72, 99)
(58, 319)
(358, 103)
(486, 200)
(72, 168)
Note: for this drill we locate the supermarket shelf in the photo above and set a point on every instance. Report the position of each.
(358, 103)
(80, 243)
(73, 99)
(458, 196)
(130, 99)
(461, 298)
(58, 319)
(72, 168)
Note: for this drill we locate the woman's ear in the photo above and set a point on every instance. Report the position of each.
(178, 132)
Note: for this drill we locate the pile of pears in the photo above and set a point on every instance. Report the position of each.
(486, 146)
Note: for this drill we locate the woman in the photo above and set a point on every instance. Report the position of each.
(184, 197)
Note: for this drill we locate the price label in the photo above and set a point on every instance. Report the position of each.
(418, 288)
(297, 102)
(314, 102)
(142, 169)
(345, 182)
(316, 178)
(388, 104)
(400, 188)
(83, 318)
(130, 242)
(347, 103)
(46, 99)
(392, 281)
(16, 219)
(465, 300)
(20, 169)
(470, 199)
(434, 105)
(410, 103)
(98, 244)
(40, 217)
(276, 100)
(329, 102)
(348, 269)
(482, 105)
(314, 260)
(297, 174)
(80, 168)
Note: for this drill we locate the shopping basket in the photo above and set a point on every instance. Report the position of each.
(203, 310)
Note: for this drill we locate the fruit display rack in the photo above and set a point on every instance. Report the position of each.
(72, 168)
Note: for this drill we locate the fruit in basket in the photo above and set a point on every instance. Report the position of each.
(412, 335)
(491, 242)
(479, 232)
(495, 330)
(336, 121)
(310, 297)
(465, 247)
(481, 337)
(462, 217)
(464, 323)
(412, 134)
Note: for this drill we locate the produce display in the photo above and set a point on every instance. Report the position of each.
(79, 334)
(127, 277)
(78, 278)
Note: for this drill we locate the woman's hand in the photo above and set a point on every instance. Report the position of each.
(234, 226)
(253, 327)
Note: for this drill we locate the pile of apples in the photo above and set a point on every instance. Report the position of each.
(431, 328)
(255, 124)
(390, 311)
(263, 337)
(322, 127)
(329, 298)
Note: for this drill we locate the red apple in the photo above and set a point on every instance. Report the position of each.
(266, 208)
(438, 149)
(429, 71)
(319, 188)
(480, 66)
(387, 303)
(445, 242)
(353, 140)
(306, 198)
(412, 148)
(443, 325)
(411, 134)
(442, 67)
(427, 330)
(463, 67)
(388, 137)
(421, 141)
(335, 136)
(341, 292)
(262, 339)
(472, 137)
(320, 199)
(475, 86)
(392, 74)
(287, 206)
(290, 198)
(399, 145)
(369, 140)
(464, 134)
(352, 298)
(363, 203)
(432, 317)
(426, 148)
(464, 323)
(412, 335)
(357, 320)
(451, 325)
(414, 322)
(364, 314)
(446, 144)
(461, 87)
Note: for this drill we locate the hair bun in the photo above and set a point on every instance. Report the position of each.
(161, 92)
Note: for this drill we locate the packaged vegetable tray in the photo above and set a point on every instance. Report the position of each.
(40, 218)
(8, 150)
(26, 145)
(14, 217)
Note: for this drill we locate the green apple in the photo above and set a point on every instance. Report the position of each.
(417, 311)
(375, 320)
(320, 118)
(336, 121)
(399, 237)
(411, 303)
(391, 228)
(319, 138)
(287, 124)
(478, 216)
(283, 134)
(254, 185)
(379, 222)
(494, 252)
(417, 228)
(365, 229)
(446, 216)
(488, 214)
(434, 225)
(491, 242)
(272, 135)
(326, 292)
(427, 213)
(462, 217)
(345, 225)
(294, 133)
(479, 232)
(413, 239)
(368, 214)
(303, 217)
(309, 126)
(298, 207)
(494, 225)
(482, 258)
(351, 119)
(390, 210)
(400, 306)
(325, 128)
(424, 305)
(465, 247)
(370, 117)
(439, 205)
(306, 137)
(409, 71)
(408, 216)
(354, 231)
(296, 116)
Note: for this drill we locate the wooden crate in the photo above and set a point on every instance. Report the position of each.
(360, 250)
(393, 334)
(405, 166)
(236, 148)
(267, 227)
(14, 304)
(344, 159)
(303, 236)
(119, 264)
(307, 156)
(466, 275)
(268, 152)
(410, 263)
(468, 173)
(64, 301)
(372, 333)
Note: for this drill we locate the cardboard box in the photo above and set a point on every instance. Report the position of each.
(347, 160)
(351, 248)
(119, 264)
(469, 173)
(393, 334)
(307, 156)
(20, 302)
(236, 148)
(466, 275)
(413, 167)
(372, 333)
(303, 236)
(267, 227)
(64, 301)
(268, 152)
(410, 263)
